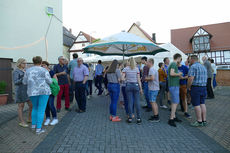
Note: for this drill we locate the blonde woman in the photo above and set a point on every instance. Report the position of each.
(131, 75)
(21, 91)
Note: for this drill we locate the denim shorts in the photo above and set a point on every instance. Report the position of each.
(198, 95)
(153, 95)
(174, 94)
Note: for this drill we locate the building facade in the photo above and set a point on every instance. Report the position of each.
(82, 40)
(211, 40)
(31, 28)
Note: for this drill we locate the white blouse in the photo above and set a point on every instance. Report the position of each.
(38, 80)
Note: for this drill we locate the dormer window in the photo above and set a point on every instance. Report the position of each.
(201, 41)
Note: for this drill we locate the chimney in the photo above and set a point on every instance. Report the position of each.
(154, 37)
(70, 30)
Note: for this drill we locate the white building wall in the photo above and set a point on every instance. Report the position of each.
(24, 22)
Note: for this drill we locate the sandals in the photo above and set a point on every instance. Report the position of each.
(23, 125)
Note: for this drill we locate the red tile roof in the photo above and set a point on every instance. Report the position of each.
(220, 37)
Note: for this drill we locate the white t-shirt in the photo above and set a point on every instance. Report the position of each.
(154, 84)
(213, 65)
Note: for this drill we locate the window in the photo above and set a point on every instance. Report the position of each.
(201, 41)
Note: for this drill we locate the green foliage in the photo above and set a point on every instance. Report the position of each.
(3, 85)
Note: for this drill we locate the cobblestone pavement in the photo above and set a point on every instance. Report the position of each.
(8, 112)
(93, 132)
(15, 139)
(218, 117)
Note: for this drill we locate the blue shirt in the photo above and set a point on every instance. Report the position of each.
(71, 66)
(62, 79)
(52, 73)
(79, 73)
(184, 70)
(199, 73)
(99, 69)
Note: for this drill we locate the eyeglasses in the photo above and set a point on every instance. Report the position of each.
(24, 63)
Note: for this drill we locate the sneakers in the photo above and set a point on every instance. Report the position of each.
(33, 127)
(163, 106)
(204, 123)
(187, 115)
(58, 110)
(54, 122)
(177, 120)
(172, 123)
(115, 119)
(197, 124)
(154, 118)
(40, 131)
(139, 121)
(129, 120)
(47, 122)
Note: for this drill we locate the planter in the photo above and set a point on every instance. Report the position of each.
(3, 99)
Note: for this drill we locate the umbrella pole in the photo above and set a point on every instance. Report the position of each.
(123, 47)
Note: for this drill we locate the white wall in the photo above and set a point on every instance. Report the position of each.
(25, 21)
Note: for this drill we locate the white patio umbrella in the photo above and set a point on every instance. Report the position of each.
(123, 44)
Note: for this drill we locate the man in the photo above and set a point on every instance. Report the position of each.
(153, 86)
(166, 65)
(61, 71)
(162, 79)
(80, 76)
(183, 88)
(208, 67)
(145, 73)
(197, 84)
(71, 66)
(174, 85)
(99, 77)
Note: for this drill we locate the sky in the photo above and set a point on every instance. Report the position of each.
(102, 18)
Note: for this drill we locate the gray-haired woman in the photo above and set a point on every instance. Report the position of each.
(21, 91)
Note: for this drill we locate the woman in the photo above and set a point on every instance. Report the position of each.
(114, 77)
(133, 88)
(21, 91)
(162, 78)
(213, 65)
(38, 80)
(90, 79)
(50, 105)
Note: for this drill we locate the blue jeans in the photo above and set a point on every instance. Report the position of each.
(51, 108)
(38, 110)
(146, 93)
(114, 91)
(126, 103)
(162, 92)
(133, 91)
(214, 84)
(80, 95)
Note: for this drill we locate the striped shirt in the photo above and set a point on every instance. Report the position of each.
(131, 75)
(199, 73)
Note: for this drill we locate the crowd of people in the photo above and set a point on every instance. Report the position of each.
(178, 82)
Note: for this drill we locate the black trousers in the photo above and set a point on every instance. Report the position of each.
(90, 85)
(209, 88)
(80, 95)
